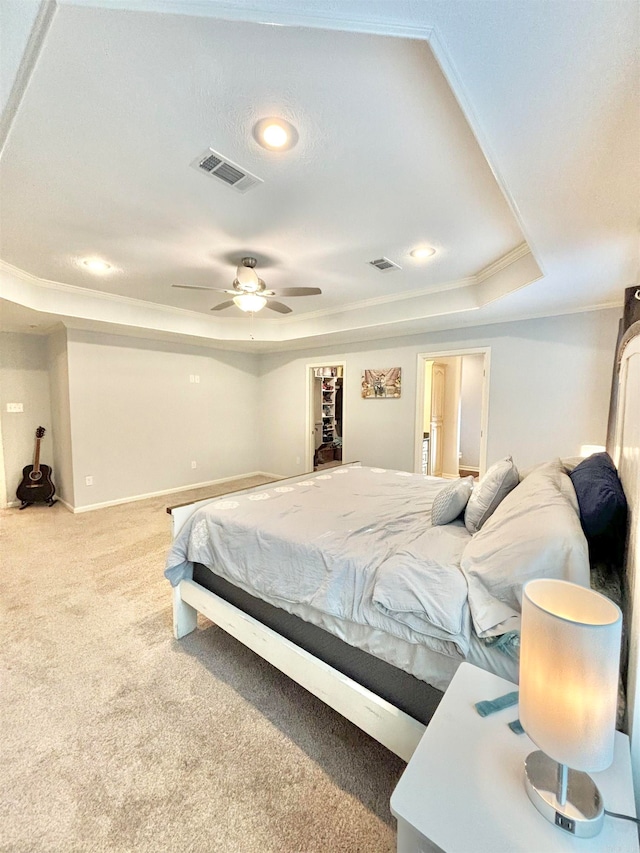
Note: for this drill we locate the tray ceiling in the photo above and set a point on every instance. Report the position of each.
(389, 157)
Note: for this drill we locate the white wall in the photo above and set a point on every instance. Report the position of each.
(23, 379)
(57, 359)
(471, 410)
(137, 422)
(549, 391)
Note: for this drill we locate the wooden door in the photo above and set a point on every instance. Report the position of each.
(438, 376)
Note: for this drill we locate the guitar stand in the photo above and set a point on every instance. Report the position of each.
(25, 504)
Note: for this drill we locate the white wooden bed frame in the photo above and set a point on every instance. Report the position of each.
(383, 721)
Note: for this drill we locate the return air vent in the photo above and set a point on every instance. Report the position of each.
(216, 166)
(385, 265)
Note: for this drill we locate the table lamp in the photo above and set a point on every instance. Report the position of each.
(569, 666)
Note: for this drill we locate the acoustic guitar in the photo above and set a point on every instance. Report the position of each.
(37, 485)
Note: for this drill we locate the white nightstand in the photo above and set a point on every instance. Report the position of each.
(463, 790)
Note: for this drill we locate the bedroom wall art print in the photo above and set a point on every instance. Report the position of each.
(381, 383)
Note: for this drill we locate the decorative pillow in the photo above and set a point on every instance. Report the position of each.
(534, 533)
(451, 501)
(492, 488)
(603, 506)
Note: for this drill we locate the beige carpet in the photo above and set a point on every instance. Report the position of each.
(115, 737)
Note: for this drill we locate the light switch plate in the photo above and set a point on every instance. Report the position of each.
(15, 407)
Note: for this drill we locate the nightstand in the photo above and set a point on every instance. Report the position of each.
(463, 790)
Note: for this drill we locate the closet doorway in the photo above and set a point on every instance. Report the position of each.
(325, 415)
(452, 413)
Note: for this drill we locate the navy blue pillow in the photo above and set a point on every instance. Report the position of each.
(603, 506)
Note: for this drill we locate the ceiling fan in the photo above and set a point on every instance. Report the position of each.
(250, 292)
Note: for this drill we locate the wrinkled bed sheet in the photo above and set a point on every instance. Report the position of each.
(355, 543)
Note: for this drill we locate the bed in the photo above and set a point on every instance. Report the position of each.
(366, 639)
(324, 576)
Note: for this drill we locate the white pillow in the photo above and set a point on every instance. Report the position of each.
(534, 533)
(449, 503)
(490, 491)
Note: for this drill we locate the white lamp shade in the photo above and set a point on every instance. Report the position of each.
(569, 666)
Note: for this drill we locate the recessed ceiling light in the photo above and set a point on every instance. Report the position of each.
(95, 265)
(275, 134)
(422, 252)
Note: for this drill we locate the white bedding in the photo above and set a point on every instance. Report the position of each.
(354, 552)
(323, 542)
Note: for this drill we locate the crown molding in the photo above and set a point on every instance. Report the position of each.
(502, 263)
(284, 322)
(75, 290)
(258, 14)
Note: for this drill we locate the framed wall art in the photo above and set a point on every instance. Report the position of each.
(377, 384)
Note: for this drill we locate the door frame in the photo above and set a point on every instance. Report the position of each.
(419, 414)
(310, 367)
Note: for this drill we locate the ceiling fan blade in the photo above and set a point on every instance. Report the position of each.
(226, 304)
(278, 306)
(299, 291)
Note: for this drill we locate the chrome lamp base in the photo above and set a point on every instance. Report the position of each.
(567, 798)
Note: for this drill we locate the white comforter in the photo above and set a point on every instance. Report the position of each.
(355, 543)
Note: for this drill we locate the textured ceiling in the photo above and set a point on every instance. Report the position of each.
(393, 152)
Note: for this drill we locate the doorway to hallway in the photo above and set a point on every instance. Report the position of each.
(452, 403)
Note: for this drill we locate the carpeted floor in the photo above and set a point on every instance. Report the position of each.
(115, 737)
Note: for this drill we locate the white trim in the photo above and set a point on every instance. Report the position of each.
(470, 468)
(422, 357)
(91, 507)
(309, 421)
(383, 721)
(502, 263)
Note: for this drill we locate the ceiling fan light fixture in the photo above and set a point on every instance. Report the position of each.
(275, 134)
(422, 252)
(250, 302)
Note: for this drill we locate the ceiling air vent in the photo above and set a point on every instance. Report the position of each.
(216, 166)
(384, 265)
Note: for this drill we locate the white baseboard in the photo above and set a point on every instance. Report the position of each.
(104, 504)
(470, 468)
(56, 499)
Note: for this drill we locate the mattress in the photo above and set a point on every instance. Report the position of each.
(404, 673)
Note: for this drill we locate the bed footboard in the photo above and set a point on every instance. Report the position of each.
(383, 721)
(185, 617)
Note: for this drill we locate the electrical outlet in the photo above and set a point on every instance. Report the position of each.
(197, 379)
(193, 464)
(192, 378)
(15, 407)
(88, 481)
(297, 460)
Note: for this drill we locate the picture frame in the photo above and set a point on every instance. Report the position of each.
(378, 384)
